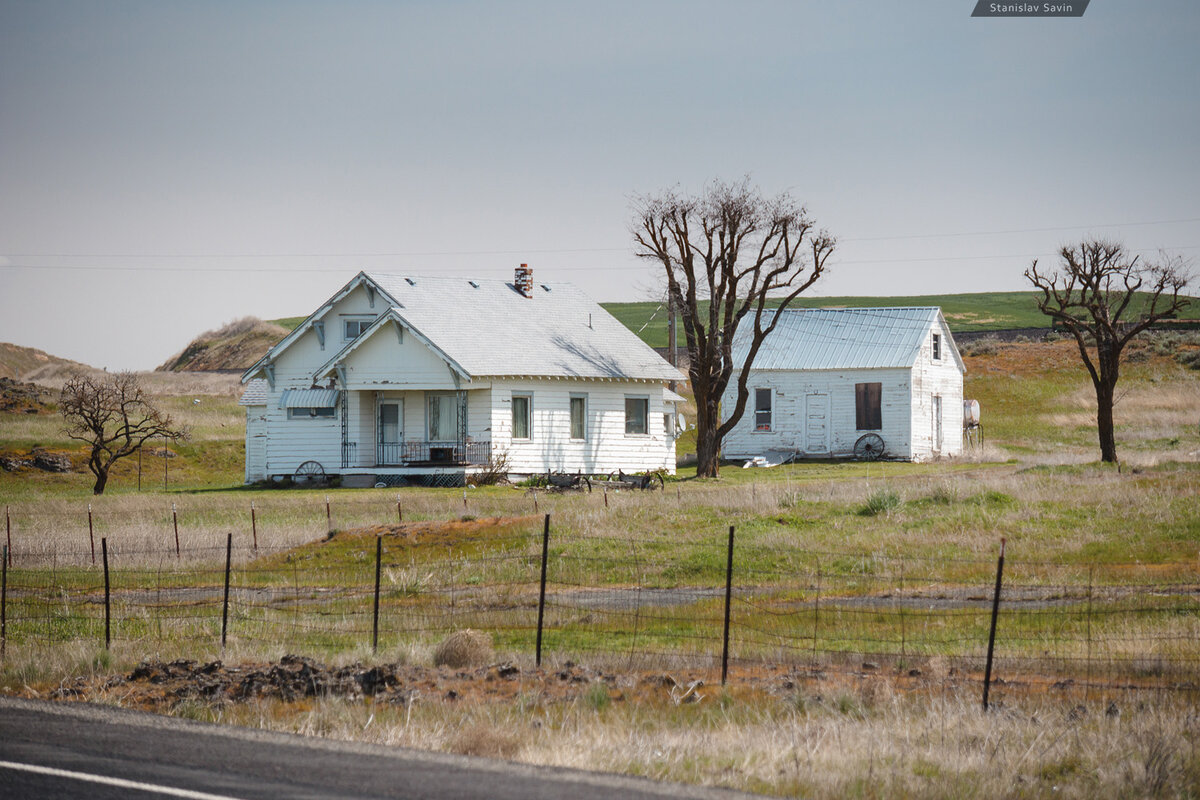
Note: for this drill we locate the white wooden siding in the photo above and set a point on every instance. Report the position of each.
(789, 413)
(607, 448)
(944, 379)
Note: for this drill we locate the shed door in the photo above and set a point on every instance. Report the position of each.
(816, 424)
(937, 424)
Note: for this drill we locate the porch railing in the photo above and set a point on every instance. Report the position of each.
(419, 452)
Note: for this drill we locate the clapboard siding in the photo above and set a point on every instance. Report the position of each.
(607, 448)
(791, 391)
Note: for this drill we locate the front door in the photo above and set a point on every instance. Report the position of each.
(391, 431)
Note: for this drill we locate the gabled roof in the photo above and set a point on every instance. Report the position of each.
(489, 329)
(845, 338)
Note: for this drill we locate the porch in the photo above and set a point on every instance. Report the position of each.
(391, 429)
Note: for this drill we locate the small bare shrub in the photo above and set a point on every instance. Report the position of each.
(465, 648)
(489, 741)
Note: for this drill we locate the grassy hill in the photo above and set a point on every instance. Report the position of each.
(237, 345)
(29, 364)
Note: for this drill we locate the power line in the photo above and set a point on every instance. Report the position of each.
(562, 268)
(547, 251)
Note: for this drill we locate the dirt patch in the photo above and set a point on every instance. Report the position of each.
(164, 686)
(442, 532)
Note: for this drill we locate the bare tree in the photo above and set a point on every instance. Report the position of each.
(725, 253)
(114, 416)
(1096, 285)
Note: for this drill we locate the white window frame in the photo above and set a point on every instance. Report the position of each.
(528, 398)
(936, 343)
(453, 422)
(571, 416)
(645, 416)
(770, 412)
(312, 412)
(363, 322)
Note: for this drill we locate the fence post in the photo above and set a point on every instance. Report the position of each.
(900, 606)
(464, 499)
(378, 567)
(399, 511)
(1087, 688)
(816, 613)
(254, 525)
(91, 535)
(107, 607)
(175, 523)
(987, 673)
(542, 590)
(728, 597)
(8, 534)
(3, 603)
(535, 503)
(328, 515)
(225, 603)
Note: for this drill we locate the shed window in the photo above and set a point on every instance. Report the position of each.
(937, 347)
(578, 416)
(868, 407)
(521, 426)
(637, 415)
(762, 409)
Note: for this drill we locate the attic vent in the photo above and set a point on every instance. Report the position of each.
(411, 282)
(545, 288)
(474, 285)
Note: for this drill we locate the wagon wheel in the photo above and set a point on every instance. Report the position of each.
(582, 482)
(310, 471)
(869, 447)
(652, 481)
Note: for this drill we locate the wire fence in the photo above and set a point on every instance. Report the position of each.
(631, 601)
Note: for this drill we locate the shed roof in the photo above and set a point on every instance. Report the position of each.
(845, 338)
(490, 329)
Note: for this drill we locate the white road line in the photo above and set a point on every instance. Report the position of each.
(117, 782)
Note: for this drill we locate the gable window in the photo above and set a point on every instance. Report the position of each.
(522, 424)
(762, 409)
(868, 406)
(937, 347)
(578, 417)
(353, 328)
(637, 416)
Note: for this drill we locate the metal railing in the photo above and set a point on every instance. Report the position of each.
(431, 452)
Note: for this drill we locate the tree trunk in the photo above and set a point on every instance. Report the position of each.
(101, 480)
(1104, 422)
(708, 446)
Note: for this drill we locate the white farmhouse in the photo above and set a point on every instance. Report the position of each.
(397, 379)
(887, 381)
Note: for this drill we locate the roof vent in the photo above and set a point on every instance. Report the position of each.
(545, 288)
(411, 282)
(523, 280)
(474, 285)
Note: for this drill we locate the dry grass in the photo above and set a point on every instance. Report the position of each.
(466, 648)
(856, 741)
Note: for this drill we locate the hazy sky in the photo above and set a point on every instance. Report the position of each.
(168, 167)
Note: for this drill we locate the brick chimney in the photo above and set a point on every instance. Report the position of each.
(523, 280)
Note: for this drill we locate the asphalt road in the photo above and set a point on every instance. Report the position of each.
(52, 750)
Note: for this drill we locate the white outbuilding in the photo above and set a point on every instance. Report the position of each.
(401, 379)
(841, 382)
